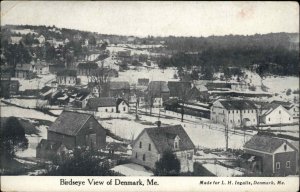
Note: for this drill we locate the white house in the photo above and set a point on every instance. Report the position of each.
(15, 40)
(234, 113)
(103, 104)
(41, 39)
(276, 115)
(122, 106)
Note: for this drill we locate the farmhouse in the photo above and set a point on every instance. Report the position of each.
(275, 114)
(74, 129)
(292, 108)
(271, 156)
(66, 77)
(108, 104)
(103, 104)
(41, 39)
(151, 143)
(234, 113)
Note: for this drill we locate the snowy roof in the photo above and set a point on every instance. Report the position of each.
(264, 143)
(163, 138)
(69, 123)
(237, 104)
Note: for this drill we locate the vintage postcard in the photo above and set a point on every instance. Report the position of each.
(149, 96)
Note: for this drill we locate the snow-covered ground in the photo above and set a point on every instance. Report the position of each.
(36, 83)
(132, 170)
(23, 102)
(7, 111)
(33, 141)
(221, 171)
(281, 84)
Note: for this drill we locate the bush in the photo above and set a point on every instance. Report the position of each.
(82, 163)
(288, 92)
(168, 165)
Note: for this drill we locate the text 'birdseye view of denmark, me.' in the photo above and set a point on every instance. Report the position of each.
(82, 102)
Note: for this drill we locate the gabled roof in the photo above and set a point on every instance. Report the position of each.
(115, 85)
(158, 87)
(179, 88)
(237, 104)
(163, 138)
(45, 89)
(284, 104)
(271, 108)
(264, 143)
(102, 102)
(69, 123)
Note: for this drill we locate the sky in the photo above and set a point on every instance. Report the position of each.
(157, 18)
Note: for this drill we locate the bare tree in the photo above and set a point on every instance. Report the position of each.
(100, 79)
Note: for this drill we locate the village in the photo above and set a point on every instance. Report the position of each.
(110, 95)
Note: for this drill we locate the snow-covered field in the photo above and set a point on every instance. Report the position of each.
(7, 111)
(23, 102)
(221, 171)
(36, 83)
(132, 170)
(281, 84)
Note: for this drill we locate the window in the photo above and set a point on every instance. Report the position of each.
(288, 164)
(144, 157)
(230, 121)
(223, 120)
(285, 147)
(112, 110)
(140, 144)
(237, 111)
(223, 111)
(289, 118)
(251, 111)
(279, 111)
(124, 108)
(229, 112)
(277, 165)
(136, 156)
(269, 119)
(248, 111)
(106, 110)
(175, 144)
(149, 147)
(233, 111)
